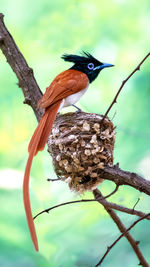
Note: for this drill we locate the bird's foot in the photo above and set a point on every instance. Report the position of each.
(78, 109)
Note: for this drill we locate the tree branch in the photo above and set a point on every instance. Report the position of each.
(120, 177)
(121, 227)
(20, 67)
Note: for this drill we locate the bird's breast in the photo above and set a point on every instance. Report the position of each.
(72, 99)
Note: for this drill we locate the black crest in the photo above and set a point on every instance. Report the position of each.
(86, 58)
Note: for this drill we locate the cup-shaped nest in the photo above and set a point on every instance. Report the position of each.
(80, 146)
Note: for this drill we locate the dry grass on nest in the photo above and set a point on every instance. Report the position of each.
(80, 147)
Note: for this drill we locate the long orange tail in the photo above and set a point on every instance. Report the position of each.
(36, 144)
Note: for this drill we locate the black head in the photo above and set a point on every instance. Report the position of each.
(87, 64)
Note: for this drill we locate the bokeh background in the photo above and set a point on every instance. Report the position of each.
(114, 31)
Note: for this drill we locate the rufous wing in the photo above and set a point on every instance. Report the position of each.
(66, 83)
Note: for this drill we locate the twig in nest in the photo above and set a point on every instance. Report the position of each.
(80, 149)
(123, 83)
(114, 243)
(53, 180)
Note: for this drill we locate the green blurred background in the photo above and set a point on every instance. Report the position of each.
(114, 31)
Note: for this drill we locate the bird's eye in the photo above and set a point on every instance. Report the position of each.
(90, 66)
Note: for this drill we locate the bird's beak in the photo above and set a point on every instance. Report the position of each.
(104, 65)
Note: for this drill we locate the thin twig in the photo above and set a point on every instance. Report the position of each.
(109, 204)
(121, 227)
(113, 192)
(123, 83)
(136, 203)
(116, 241)
(63, 204)
(113, 116)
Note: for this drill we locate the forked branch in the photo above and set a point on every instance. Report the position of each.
(122, 235)
(122, 228)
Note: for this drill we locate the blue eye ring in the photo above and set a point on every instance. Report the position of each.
(90, 66)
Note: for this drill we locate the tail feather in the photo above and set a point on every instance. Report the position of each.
(37, 134)
(36, 144)
(52, 112)
(26, 199)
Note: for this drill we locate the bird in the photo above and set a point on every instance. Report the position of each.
(65, 90)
